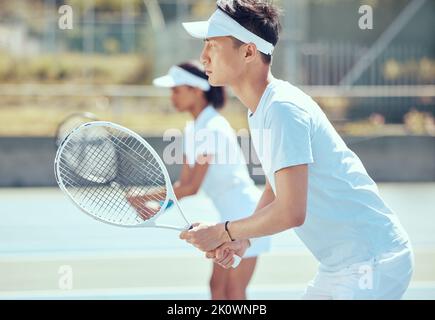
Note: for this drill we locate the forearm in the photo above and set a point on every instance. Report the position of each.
(190, 180)
(269, 220)
(184, 190)
(266, 198)
(287, 210)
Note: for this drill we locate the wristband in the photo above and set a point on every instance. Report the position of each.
(228, 232)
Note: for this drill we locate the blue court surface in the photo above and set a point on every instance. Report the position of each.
(45, 238)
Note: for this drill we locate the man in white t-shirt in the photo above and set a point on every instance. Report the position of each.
(315, 183)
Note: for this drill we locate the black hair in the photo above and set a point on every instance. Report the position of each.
(216, 96)
(261, 17)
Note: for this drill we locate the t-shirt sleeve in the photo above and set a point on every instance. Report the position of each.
(290, 136)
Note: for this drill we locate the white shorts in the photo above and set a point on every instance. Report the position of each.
(385, 277)
(238, 204)
(259, 246)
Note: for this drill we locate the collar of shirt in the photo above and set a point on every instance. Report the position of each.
(264, 97)
(205, 115)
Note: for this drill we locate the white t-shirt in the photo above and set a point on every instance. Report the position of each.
(227, 182)
(346, 221)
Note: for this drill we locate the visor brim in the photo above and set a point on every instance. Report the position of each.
(165, 82)
(197, 29)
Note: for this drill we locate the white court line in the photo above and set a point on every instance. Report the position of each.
(98, 254)
(134, 254)
(141, 254)
(417, 290)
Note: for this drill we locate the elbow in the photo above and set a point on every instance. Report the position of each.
(299, 219)
(295, 219)
(192, 190)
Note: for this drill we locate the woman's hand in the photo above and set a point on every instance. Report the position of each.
(145, 206)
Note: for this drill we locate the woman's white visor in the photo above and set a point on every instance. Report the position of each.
(179, 77)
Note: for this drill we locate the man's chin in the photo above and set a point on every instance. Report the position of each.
(215, 82)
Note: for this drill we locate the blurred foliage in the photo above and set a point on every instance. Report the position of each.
(415, 123)
(107, 5)
(424, 69)
(28, 8)
(203, 8)
(22, 115)
(39, 116)
(420, 123)
(111, 45)
(374, 125)
(335, 107)
(76, 68)
(373, 3)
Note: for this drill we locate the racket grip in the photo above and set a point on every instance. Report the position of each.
(236, 262)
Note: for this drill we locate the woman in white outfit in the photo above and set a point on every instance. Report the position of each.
(213, 161)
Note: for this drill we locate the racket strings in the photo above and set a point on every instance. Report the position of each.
(71, 122)
(157, 172)
(102, 194)
(150, 167)
(150, 175)
(108, 202)
(83, 157)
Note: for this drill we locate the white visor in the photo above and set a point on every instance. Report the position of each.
(220, 24)
(179, 77)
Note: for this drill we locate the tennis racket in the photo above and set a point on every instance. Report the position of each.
(70, 122)
(102, 166)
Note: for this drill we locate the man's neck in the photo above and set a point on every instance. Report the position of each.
(250, 88)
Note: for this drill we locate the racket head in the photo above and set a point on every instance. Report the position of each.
(107, 201)
(71, 122)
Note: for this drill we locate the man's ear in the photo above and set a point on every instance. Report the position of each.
(250, 52)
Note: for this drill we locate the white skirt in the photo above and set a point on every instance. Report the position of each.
(238, 204)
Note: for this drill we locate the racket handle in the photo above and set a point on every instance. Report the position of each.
(236, 262)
